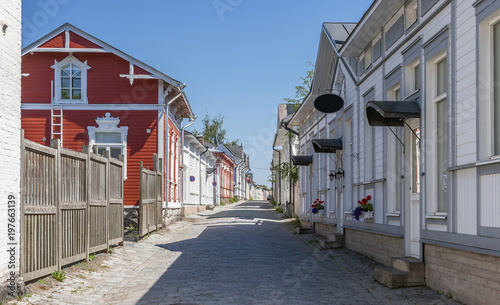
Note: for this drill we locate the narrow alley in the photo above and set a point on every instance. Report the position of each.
(241, 253)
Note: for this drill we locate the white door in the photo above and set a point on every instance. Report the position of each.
(412, 186)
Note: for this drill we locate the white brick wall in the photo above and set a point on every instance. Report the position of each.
(10, 118)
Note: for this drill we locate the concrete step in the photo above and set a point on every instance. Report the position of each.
(338, 238)
(391, 277)
(414, 267)
(329, 244)
(305, 230)
(405, 272)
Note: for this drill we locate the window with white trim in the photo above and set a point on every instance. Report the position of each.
(437, 123)
(411, 13)
(109, 137)
(412, 77)
(70, 81)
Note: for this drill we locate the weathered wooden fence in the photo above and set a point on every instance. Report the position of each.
(150, 202)
(72, 205)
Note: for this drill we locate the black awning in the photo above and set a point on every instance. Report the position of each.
(391, 113)
(302, 160)
(327, 145)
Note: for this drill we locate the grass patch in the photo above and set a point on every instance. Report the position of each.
(59, 275)
(278, 209)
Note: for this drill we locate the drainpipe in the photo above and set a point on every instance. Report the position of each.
(192, 120)
(205, 173)
(279, 185)
(167, 138)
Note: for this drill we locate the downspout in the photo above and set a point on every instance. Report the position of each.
(167, 139)
(192, 120)
(279, 185)
(205, 173)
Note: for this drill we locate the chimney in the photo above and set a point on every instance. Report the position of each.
(200, 138)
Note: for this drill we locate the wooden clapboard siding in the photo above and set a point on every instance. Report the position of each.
(62, 220)
(104, 84)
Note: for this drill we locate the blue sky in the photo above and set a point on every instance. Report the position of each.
(237, 57)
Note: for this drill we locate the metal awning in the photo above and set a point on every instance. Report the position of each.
(327, 145)
(391, 113)
(302, 160)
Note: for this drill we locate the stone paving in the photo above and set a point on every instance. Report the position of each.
(237, 254)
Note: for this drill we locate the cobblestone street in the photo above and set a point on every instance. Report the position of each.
(237, 254)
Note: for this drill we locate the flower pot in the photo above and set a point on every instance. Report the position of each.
(368, 215)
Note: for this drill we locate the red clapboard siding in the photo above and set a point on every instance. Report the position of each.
(36, 125)
(141, 146)
(56, 42)
(78, 42)
(104, 84)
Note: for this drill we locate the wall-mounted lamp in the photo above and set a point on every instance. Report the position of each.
(340, 173)
(332, 175)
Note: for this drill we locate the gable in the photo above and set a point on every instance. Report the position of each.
(57, 42)
(78, 42)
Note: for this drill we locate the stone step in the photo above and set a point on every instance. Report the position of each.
(390, 277)
(337, 237)
(329, 244)
(305, 230)
(414, 267)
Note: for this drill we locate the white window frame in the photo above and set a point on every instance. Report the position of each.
(433, 98)
(411, 11)
(368, 57)
(486, 104)
(70, 59)
(110, 124)
(393, 177)
(410, 78)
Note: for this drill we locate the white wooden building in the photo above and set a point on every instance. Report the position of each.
(420, 135)
(198, 173)
(285, 146)
(10, 144)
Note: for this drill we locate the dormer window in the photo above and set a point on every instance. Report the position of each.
(70, 81)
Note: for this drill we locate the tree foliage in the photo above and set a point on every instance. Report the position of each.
(302, 90)
(213, 132)
(289, 172)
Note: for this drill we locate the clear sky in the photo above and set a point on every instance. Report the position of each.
(237, 57)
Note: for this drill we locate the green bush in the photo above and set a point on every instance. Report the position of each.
(233, 200)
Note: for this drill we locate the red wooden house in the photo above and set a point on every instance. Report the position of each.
(78, 88)
(225, 174)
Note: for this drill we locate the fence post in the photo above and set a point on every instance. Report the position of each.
(160, 166)
(155, 169)
(107, 155)
(140, 218)
(86, 149)
(56, 144)
(121, 158)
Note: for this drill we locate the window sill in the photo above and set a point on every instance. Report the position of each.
(492, 160)
(439, 216)
(70, 102)
(323, 190)
(394, 214)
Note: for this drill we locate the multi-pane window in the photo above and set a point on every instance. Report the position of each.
(496, 89)
(71, 82)
(109, 141)
(399, 154)
(441, 137)
(416, 77)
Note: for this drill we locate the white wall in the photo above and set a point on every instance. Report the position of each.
(10, 121)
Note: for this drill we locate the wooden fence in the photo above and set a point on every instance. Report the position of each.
(72, 205)
(150, 202)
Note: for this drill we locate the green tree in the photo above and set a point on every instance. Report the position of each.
(213, 132)
(302, 90)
